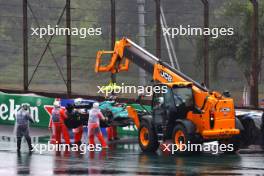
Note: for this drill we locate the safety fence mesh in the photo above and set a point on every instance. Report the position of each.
(228, 57)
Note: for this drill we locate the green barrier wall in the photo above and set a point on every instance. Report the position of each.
(40, 107)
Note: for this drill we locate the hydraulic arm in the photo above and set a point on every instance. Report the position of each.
(127, 51)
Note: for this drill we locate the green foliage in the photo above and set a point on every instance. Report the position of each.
(236, 47)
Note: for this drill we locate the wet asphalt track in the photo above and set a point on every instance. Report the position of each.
(123, 158)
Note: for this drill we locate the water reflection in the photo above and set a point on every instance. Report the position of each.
(199, 164)
(23, 163)
(121, 159)
(60, 162)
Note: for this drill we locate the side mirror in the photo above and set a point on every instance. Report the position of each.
(226, 93)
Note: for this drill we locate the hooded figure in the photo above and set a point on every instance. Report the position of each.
(78, 132)
(94, 125)
(83, 114)
(22, 126)
(74, 122)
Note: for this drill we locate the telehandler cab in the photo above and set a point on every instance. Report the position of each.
(186, 112)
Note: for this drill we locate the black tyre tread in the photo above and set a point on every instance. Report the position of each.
(188, 136)
(153, 139)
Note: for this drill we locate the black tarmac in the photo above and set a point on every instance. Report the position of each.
(121, 158)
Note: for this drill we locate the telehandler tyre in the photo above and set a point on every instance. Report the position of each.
(180, 136)
(147, 138)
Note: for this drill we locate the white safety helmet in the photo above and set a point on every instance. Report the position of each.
(56, 104)
(78, 101)
(161, 100)
(96, 105)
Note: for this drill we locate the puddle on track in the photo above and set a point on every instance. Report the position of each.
(124, 159)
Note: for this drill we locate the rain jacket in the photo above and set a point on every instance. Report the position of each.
(22, 123)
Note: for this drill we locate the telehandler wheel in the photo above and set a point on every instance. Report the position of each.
(147, 138)
(180, 136)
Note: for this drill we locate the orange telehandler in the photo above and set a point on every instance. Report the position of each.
(185, 112)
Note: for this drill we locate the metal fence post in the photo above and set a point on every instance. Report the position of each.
(113, 33)
(158, 30)
(206, 44)
(68, 46)
(25, 46)
(254, 57)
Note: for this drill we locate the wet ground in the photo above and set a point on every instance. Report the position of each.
(122, 158)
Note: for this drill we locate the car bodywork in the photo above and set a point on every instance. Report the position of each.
(253, 126)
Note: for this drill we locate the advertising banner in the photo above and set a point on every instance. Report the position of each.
(39, 107)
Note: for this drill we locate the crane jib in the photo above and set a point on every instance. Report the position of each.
(187, 78)
(140, 59)
(146, 61)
